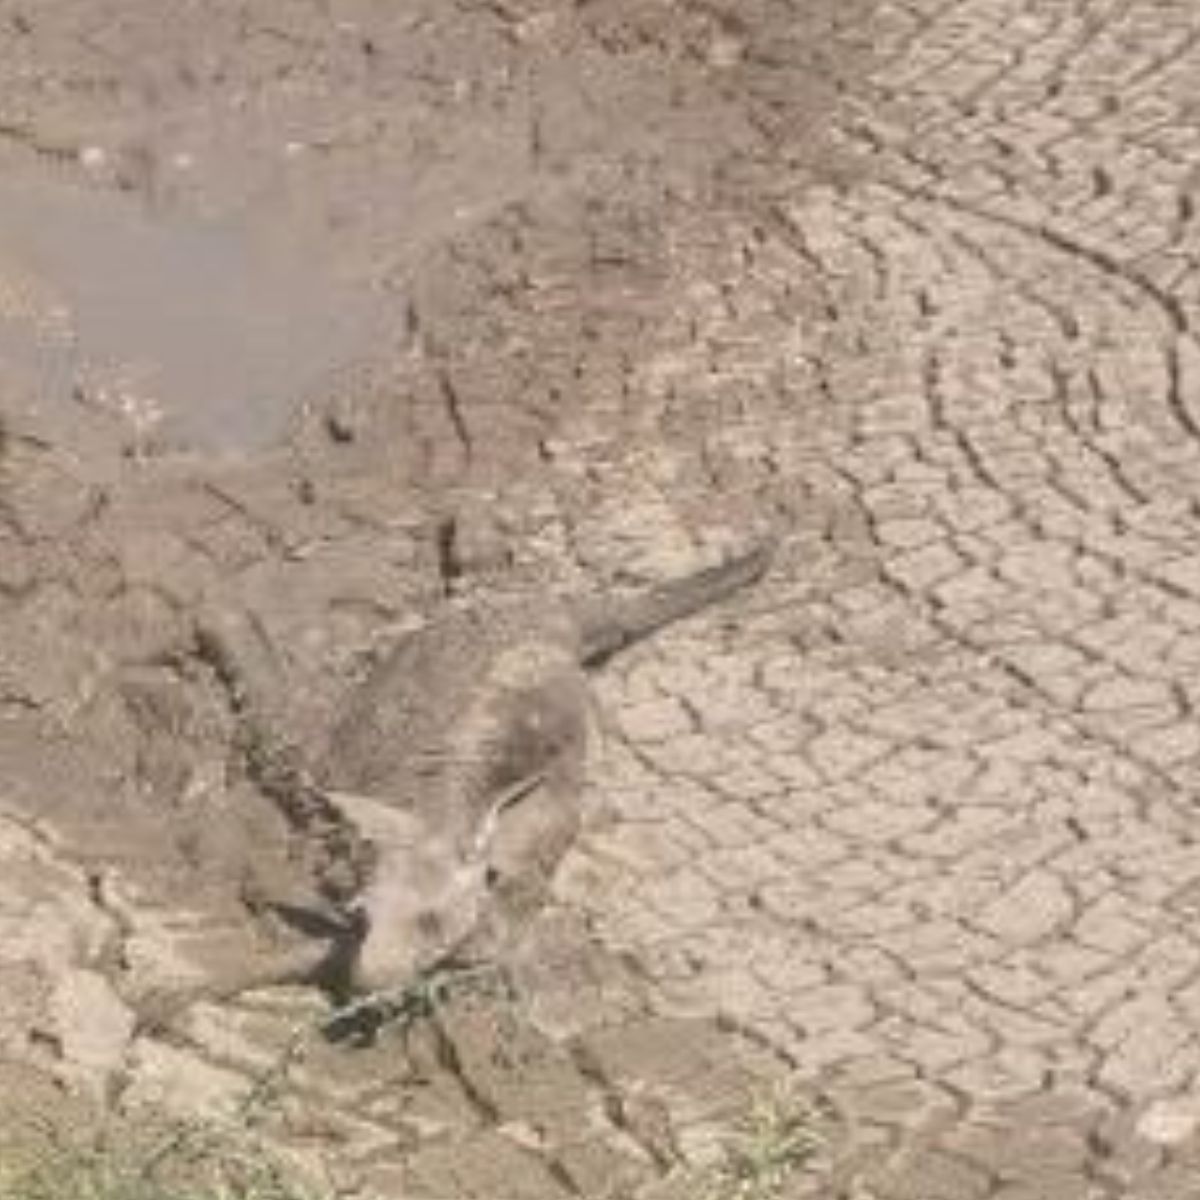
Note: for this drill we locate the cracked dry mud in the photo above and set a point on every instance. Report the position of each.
(914, 822)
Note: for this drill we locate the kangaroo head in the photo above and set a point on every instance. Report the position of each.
(427, 894)
(423, 902)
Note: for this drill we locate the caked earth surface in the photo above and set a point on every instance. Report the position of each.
(331, 314)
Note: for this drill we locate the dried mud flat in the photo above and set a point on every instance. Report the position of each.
(320, 312)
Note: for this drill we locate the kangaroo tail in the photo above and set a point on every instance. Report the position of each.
(607, 627)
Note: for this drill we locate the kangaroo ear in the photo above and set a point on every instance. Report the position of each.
(311, 920)
(380, 822)
(485, 832)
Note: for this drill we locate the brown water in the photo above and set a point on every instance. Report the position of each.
(202, 331)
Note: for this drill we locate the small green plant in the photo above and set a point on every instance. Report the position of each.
(118, 1160)
(776, 1140)
(414, 1001)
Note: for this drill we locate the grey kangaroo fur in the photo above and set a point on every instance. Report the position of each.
(460, 759)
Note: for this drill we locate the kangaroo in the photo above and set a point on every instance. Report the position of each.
(460, 759)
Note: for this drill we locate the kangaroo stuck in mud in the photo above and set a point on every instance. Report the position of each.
(460, 761)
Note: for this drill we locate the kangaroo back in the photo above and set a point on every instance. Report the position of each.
(608, 626)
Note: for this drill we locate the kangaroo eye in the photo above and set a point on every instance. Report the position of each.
(429, 924)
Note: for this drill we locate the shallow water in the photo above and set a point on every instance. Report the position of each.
(200, 332)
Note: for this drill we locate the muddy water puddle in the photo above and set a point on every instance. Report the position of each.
(197, 333)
